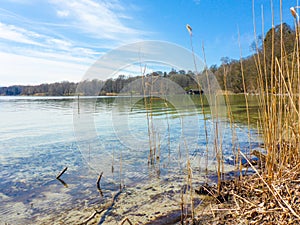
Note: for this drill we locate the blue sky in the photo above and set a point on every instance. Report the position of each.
(55, 40)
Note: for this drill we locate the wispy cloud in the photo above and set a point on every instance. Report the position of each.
(63, 13)
(40, 45)
(75, 35)
(103, 19)
(28, 57)
(17, 34)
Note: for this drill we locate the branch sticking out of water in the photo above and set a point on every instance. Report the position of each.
(63, 182)
(92, 216)
(98, 183)
(61, 173)
(126, 220)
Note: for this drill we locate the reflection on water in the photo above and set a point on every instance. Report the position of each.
(37, 140)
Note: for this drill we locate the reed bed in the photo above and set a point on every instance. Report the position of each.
(254, 201)
(271, 194)
(279, 102)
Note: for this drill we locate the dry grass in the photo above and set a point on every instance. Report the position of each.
(271, 194)
(279, 101)
(255, 202)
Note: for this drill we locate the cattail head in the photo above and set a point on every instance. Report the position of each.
(294, 13)
(188, 27)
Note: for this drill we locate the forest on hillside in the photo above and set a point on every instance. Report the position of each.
(228, 74)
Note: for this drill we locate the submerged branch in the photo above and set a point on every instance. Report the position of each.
(98, 183)
(92, 216)
(63, 182)
(126, 220)
(62, 172)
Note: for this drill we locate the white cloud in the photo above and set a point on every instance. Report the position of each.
(63, 13)
(28, 57)
(59, 44)
(81, 58)
(40, 45)
(33, 51)
(17, 34)
(101, 19)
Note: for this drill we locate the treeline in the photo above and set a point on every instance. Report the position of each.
(228, 74)
(96, 87)
(55, 89)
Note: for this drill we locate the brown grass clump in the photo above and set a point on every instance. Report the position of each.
(272, 194)
(255, 200)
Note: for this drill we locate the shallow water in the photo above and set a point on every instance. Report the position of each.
(40, 136)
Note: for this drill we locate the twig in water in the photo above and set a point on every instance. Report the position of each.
(62, 172)
(126, 220)
(109, 207)
(92, 216)
(61, 181)
(98, 183)
(106, 206)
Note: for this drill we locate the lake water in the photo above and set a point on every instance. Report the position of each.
(40, 136)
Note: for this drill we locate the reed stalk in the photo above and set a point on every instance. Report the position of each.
(146, 105)
(245, 92)
(201, 96)
(203, 112)
(236, 154)
(279, 85)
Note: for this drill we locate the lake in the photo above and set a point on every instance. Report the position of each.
(40, 136)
